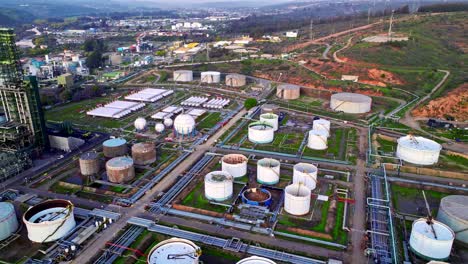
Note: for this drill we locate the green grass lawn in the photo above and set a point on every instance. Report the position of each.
(209, 121)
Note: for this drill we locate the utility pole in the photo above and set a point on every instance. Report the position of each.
(311, 30)
(207, 51)
(368, 15)
(390, 27)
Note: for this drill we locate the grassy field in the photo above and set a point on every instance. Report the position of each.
(411, 200)
(209, 120)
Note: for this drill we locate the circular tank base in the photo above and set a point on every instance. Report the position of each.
(426, 257)
(267, 183)
(218, 199)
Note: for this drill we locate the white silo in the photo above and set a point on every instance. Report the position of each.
(235, 165)
(236, 80)
(306, 174)
(322, 124)
(218, 186)
(8, 221)
(49, 220)
(159, 127)
(318, 139)
(453, 211)
(168, 122)
(268, 171)
(271, 119)
(174, 250)
(431, 241)
(351, 103)
(184, 124)
(183, 76)
(210, 77)
(297, 199)
(255, 260)
(418, 150)
(140, 123)
(261, 133)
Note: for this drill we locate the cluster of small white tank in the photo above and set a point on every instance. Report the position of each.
(216, 103)
(194, 101)
(140, 124)
(297, 195)
(318, 136)
(160, 127)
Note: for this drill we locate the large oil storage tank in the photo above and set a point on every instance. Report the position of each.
(288, 91)
(297, 199)
(235, 80)
(114, 147)
(453, 211)
(351, 103)
(306, 174)
(218, 186)
(8, 221)
(49, 221)
(210, 77)
(261, 133)
(318, 139)
(268, 171)
(184, 124)
(418, 150)
(183, 76)
(120, 169)
(235, 165)
(431, 241)
(255, 260)
(144, 153)
(89, 163)
(322, 124)
(174, 250)
(270, 118)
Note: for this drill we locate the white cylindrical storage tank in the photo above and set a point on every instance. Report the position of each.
(297, 199)
(268, 171)
(210, 77)
(168, 122)
(140, 123)
(235, 80)
(184, 124)
(183, 76)
(288, 91)
(351, 103)
(8, 221)
(235, 165)
(424, 243)
(261, 133)
(218, 186)
(255, 260)
(453, 212)
(318, 140)
(271, 119)
(159, 127)
(49, 220)
(322, 124)
(174, 250)
(418, 150)
(306, 174)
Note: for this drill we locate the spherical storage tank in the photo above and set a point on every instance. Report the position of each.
(235, 165)
(115, 147)
(288, 91)
(453, 211)
(351, 103)
(183, 76)
(184, 124)
(143, 153)
(159, 127)
(306, 174)
(418, 150)
(255, 260)
(322, 124)
(8, 221)
(89, 163)
(140, 123)
(261, 133)
(428, 246)
(235, 80)
(168, 122)
(268, 171)
(120, 169)
(210, 77)
(174, 250)
(297, 199)
(271, 119)
(317, 140)
(49, 220)
(218, 186)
